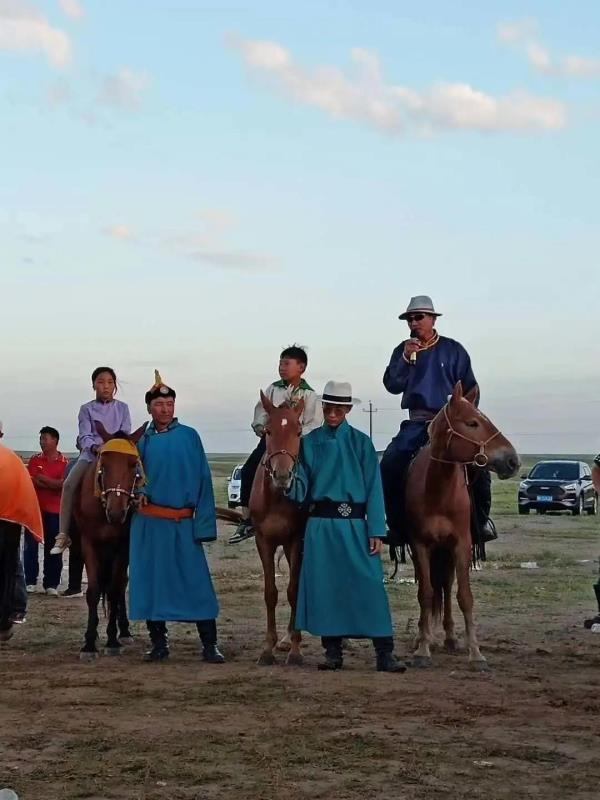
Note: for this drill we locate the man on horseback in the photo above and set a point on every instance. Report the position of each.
(169, 578)
(290, 388)
(424, 369)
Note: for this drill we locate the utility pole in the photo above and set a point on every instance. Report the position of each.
(370, 411)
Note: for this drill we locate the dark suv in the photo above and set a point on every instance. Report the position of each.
(558, 486)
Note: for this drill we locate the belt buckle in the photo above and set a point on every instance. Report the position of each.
(344, 510)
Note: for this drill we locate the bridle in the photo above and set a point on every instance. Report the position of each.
(480, 459)
(270, 456)
(118, 489)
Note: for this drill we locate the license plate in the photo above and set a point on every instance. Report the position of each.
(545, 498)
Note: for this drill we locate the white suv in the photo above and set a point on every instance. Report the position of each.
(234, 487)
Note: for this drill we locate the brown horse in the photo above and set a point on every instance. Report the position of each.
(596, 476)
(102, 512)
(438, 508)
(278, 521)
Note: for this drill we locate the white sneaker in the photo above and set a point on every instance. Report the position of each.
(52, 592)
(63, 541)
(31, 588)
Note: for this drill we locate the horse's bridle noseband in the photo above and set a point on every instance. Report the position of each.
(118, 489)
(480, 459)
(270, 456)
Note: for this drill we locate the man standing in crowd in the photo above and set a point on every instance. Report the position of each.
(169, 579)
(47, 470)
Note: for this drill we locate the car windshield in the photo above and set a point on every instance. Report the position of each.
(237, 474)
(555, 471)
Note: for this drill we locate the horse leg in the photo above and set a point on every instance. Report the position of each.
(88, 651)
(113, 646)
(125, 635)
(266, 552)
(450, 642)
(293, 553)
(422, 654)
(465, 601)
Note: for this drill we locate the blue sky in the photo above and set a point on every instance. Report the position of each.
(193, 185)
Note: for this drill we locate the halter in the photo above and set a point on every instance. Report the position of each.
(480, 459)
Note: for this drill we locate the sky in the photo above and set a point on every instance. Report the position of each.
(194, 185)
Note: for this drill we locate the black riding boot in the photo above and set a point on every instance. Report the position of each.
(594, 620)
(160, 641)
(386, 660)
(207, 628)
(333, 653)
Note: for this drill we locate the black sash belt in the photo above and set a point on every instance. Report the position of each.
(337, 509)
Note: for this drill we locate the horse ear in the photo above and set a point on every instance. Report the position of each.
(457, 394)
(137, 435)
(102, 432)
(473, 395)
(266, 403)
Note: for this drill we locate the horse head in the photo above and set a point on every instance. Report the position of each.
(461, 434)
(118, 472)
(283, 431)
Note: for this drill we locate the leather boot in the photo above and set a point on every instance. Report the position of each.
(207, 629)
(333, 653)
(160, 641)
(387, 662)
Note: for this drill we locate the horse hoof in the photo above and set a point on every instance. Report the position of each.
(266, 660)
(87, 657)
(126, 640)
(294, 660)
(113, 651)
(422, 662)
(6, 635)
(480, 666)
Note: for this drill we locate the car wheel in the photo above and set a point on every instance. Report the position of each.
(523, 509)
(578, 510)
(540, 510)
(593, 509)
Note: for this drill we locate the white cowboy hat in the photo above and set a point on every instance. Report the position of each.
(421, 303)
(339, 393)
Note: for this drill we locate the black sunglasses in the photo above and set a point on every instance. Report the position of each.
(415, 317)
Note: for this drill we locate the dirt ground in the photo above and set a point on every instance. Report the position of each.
(122, 729)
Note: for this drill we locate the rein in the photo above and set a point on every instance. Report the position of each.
(480, 459)
(103, 493)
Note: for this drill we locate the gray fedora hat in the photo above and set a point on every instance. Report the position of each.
(421, 303)
(339, 393)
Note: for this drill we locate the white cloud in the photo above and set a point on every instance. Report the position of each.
(364, 96)
(72, 8)
(123, 233)
(541, 59)
(124, 89)
(24, 29)
(242, 260)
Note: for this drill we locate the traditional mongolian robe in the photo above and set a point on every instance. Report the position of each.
(169, 576)
(341, 585)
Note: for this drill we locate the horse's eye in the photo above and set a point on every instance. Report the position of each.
(472, 423)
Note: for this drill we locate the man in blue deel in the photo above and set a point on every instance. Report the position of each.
(169, 576)
(424, 369)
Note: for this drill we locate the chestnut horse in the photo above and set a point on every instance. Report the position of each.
(102, 512)
(278, 521)
(438, 507)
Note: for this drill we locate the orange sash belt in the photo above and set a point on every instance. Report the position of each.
(163, 512)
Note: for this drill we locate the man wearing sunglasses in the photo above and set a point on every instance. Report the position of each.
(424, 370)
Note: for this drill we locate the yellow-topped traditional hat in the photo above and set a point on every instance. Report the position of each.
(159, 389)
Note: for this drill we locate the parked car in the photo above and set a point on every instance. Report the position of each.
(558, 486)
(234, 487)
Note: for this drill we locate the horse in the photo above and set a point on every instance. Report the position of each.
(102, 513)
(438, 508)
(278, 521)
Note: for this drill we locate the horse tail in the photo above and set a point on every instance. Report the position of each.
(105, 568)
(440, 567)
